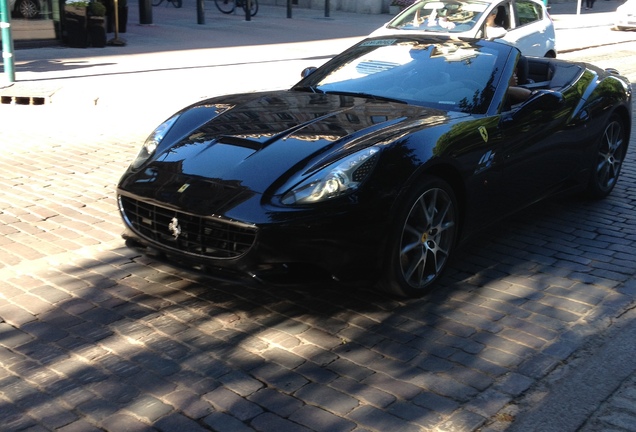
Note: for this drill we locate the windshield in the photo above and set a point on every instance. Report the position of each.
(450, 75)
(440, 16)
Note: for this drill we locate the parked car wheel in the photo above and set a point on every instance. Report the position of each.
(423, 238)
(28, 8)
(609, 158)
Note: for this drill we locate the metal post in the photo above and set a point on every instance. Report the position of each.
(116, 41)
(326, 8)
(289, 8)
(200, 12)
(145, 12)
(248, 8)
(7, 41)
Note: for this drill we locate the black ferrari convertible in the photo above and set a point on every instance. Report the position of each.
(376, 165)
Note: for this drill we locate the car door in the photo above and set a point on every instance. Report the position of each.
(539, 151)
(531, 29)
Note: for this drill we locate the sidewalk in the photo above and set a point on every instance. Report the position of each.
(175, 42)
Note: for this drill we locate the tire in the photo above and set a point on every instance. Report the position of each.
(253, 9)
(608, 159)
(29, 8)
(225, 6)
(422, 238)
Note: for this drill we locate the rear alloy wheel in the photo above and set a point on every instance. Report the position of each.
(422, 240)
(608, 160)
(29, 8)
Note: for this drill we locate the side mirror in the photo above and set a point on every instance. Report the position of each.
(308, 71)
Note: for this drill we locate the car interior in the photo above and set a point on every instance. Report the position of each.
(548, 73)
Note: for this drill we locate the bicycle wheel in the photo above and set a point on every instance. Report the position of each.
(177, 3)
(253, 9)
(225, 6)
(156, 2)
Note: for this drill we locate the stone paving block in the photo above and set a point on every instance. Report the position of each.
(98, 409)
(225, 400)
(396, 350)
(125, 422)
(471, 345)
(269, 422)
(80, 426)
(445, 385)
(52, 415)
(320, 420)
(326, 397)
(276, 402)
(376, 419)
(488, 403)
(314, 354)
(349, 369)
(398, 388)
(148, 408)
(473, 378)
(279, 378)
(462, 421)
(152, 384)
(360, 336)
(531, 328)
(416, 414)
(478, 363)
(116, 390)
(316, 373)
(12, 337)
(189, 403)
(362, 392)
(283, 357)
(177, 422)
(514, 384)
(16, 315)
(240, 383)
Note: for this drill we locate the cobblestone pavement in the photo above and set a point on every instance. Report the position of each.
(94, 336)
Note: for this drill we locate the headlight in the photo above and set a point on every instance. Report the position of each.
(153, 141)
(337, 179)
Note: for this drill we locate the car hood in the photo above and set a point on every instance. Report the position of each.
(238, 146)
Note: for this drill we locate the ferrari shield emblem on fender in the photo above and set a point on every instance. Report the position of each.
(175, 228)
(183, 188)
(483, 132)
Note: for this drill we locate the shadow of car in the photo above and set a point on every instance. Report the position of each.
(626, 16)
(25, 8)
(526, 24)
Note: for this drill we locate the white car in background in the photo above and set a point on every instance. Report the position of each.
(626, 16)
(525, 24)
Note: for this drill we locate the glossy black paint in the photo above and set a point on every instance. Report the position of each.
(240, 154)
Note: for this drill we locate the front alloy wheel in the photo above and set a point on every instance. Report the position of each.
(608, 160)
(423, 239)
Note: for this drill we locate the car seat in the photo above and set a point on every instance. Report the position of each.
(502, 19)
(523, 76)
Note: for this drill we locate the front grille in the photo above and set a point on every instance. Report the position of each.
(196, 235)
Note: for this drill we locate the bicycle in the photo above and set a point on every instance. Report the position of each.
(228, 6)
(175, 3)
